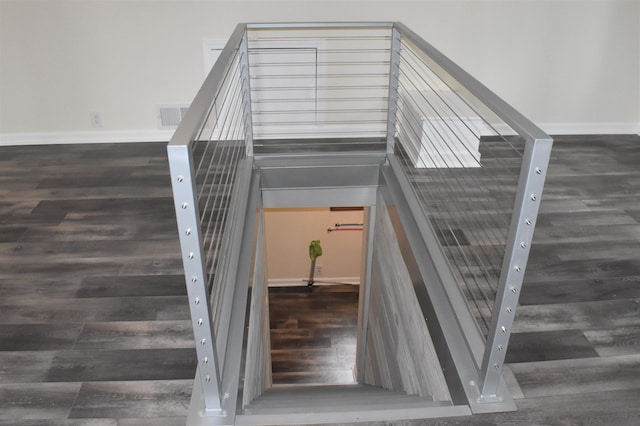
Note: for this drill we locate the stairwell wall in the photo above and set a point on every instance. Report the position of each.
(399, 354)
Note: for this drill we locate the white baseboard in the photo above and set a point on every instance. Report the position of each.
(629, 128)
(296, 282)
(155, 135)
(98, 136)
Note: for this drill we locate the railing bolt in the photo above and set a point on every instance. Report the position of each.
(180, 178)
(523, 244)
(533, 197)
(197, 301)
(538, 170)
(184, 206)
(188, 231)
(205, 360)
(203, 342)
(200, 322)
(194, 279)
(528, 222)
(517, 268)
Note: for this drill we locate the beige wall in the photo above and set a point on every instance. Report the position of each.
(290, 231)
(565, 64)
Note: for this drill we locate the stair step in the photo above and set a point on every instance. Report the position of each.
(332, 398)
(340, 403)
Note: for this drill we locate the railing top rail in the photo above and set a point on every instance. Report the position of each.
(513, 118)
(311, 25)
(197, 113)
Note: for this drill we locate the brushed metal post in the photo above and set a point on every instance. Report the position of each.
(529, 193)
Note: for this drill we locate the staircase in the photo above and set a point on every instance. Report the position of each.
(289, 405)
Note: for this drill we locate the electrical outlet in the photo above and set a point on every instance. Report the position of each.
(318, 271)
(96, 119)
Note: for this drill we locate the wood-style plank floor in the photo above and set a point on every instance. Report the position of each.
(313, 334)
(94, 325)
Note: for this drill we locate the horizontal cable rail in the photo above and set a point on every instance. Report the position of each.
(319, 82)
(477, 167)
(205, 154)
(464, 172)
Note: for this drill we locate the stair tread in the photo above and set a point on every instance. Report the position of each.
(332, 398)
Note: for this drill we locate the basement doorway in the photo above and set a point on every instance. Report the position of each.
(313, 326)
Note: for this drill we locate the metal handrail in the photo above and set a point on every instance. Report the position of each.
(463, 79)
(197, 113)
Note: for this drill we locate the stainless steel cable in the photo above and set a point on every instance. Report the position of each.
(455, 210)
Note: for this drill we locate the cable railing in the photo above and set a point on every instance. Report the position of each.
(207, 157)
(464, 168)
(314, 82)
(474, 165)
(477, 167)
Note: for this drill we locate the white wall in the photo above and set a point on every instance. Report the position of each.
(288, 233)
(567, 65)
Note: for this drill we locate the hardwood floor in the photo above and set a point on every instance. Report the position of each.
(313, 334)
(94, 322)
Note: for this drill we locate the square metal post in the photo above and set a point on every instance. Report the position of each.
(188, 218)
(246, 93)
(394, 75)
(523, 220)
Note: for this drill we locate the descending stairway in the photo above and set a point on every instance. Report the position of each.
(335, 403)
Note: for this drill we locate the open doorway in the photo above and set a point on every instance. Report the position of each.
(313, 329)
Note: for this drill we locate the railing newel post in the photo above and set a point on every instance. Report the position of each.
(394, 76)
(245, 67)
(533, 171)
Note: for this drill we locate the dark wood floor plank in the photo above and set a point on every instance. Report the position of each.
(154, 421)
(548, 346)
(133, 399)
(577, 316)
(584, 290)
(65, 422)
(115, 365)
(617, 341)
(40, 401)
(578, 376)
(38, 337)
(132, 285)
(135, 335)
(96, 310)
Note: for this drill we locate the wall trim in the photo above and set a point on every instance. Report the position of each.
(295, 282)
(101, 136)
(156, 135)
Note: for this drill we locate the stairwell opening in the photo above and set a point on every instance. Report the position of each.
(313, 306)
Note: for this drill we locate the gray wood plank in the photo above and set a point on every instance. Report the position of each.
(133, 399)
(135, 335)
(27, 401)
(578, 376)
(38, 337)
(617, 341)
(549, 345)
(577, 316)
